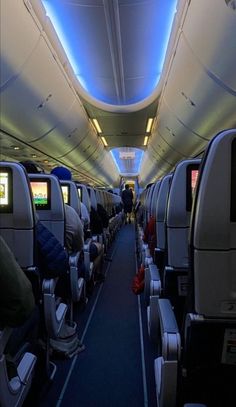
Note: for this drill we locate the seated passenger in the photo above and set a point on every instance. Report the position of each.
(74, 228)
(16, 300)
(150, 234)
(127, 199)
(32, 167)
(103, 215)
(17, 308)
(85, 218)
(96, 223)
(53, 260)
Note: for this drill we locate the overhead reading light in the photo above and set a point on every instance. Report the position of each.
(97, 126)
(149, 125)
(104, 141)
(145, 140)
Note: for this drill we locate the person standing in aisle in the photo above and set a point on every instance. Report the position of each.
(127, 199)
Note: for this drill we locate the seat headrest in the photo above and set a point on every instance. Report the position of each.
(47, 195)
(161, 211)
(17, 211)
(178, 212)
(215, 211)
(181, 193)
(49, 203)
(71, 195)
(92, 197)
(84, 195)
(162, 198)
(154, 198)
(15, 198)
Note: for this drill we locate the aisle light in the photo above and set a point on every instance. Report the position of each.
(104, 141)
(97, 126)
(145, 140)
(149, 125)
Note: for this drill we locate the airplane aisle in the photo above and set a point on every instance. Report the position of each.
(109, 372)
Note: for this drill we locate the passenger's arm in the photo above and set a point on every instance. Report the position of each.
(16, 299)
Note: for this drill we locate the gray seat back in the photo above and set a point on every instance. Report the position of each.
(213, 230)
(179, 211)
(161, 211)
(154, 198)
(17, 223)
(84, 195)
(71, 195)
(92, 197)
(52, 214)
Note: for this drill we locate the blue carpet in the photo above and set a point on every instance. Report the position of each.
(109, 372)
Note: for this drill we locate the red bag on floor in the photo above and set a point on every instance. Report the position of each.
(138, 281)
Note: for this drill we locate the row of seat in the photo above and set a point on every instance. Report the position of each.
(25, 199)
(190, 288)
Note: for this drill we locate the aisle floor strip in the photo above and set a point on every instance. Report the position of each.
(82, 338)
(145, 392)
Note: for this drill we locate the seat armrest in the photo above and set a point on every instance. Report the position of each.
(25, 367)
(171, 342)
(154, 272)
(194, 405)
(73, 259)
(54, 316)
(76, 283)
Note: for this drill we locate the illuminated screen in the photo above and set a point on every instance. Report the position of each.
(80, 193)
(41, 194)
(192, 176)
(233, 183)
(65, 193)
(5, 190)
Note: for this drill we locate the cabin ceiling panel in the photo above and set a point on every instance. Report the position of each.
(116, 48)
(127, 129)
(199, 102)
(39, 105)
(125, 141)
(218, 30)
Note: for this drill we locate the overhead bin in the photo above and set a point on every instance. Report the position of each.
(38, 100)
(199, 95)
(177, 134)
(39, 105)
(210, 29)
(201, 103)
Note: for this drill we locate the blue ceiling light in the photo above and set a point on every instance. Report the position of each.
(127, 159)
(65, 41)
(116, 48)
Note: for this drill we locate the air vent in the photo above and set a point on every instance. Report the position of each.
(188, 99)
(170, 131)
(43, 103)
